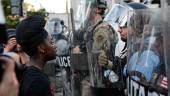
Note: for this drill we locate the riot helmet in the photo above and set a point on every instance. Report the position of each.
(136, 5)
(57, 27)
(54, 26)
(130, 6)
(119, 13)
(101, 5)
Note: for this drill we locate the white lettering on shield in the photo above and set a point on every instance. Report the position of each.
(64, 61)
(136, 89)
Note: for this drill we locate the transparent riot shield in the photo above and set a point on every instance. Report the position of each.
(81, 9)
(165, 3)
(79, 64)
(101, 50)
(61, 65)
(165, 11)
(101, 46)
(145, 67)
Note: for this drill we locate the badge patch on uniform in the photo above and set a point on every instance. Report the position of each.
(101, 39)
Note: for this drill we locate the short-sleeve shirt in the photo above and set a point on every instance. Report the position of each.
(145, 63)
(35, 83)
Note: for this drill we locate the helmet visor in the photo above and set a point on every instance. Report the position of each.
(117, 15)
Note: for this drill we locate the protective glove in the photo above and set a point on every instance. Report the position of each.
(104, 61)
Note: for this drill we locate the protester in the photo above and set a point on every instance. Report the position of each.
(13, 49)
(38, 44)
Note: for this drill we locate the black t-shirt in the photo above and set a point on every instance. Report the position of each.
(35, 83)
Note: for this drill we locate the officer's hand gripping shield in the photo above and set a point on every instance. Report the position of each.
(145, 65)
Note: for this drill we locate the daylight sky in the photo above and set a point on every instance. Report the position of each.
(57, 6)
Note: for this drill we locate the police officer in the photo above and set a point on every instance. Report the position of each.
(97, 12)
(119, 62)
(96, 15)
(106, 78)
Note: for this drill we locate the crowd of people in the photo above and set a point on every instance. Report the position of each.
(83, 63)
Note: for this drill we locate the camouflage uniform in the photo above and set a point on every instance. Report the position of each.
(103, 37)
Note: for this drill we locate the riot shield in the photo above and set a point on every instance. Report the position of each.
(55, 26)
(101, 49)
(103, 42)
(81, 9)
(100, 40)
(165, 3)
(145, 67)
(79, 65)
(166, 25)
